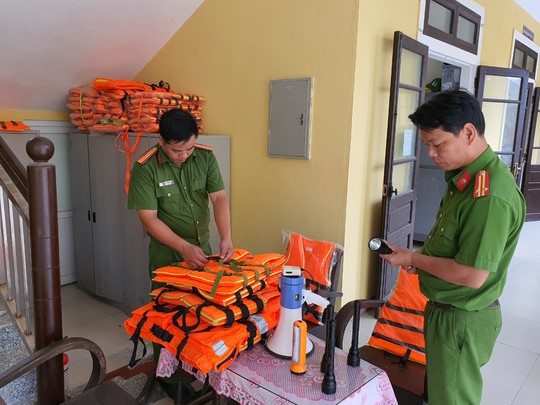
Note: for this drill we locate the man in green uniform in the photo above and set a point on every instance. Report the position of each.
(463, 264)
(169, 187)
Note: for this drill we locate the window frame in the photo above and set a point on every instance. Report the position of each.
(527, 51)
(458, 10)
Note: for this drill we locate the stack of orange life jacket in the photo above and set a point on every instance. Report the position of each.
(120, 105)
(206, 317)
(145, 108)
(97, 110)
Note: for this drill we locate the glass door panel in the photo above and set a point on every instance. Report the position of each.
(402, 177)
(505, 88)
(405, 137)
(411, 68)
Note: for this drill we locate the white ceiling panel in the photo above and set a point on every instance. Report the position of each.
(50, 46)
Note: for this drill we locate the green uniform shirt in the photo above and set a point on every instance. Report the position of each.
(480, 232)
(179, 194)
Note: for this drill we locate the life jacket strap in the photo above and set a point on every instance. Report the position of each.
(252, 333)
(136, 338)
(257, 301)
(161, 333)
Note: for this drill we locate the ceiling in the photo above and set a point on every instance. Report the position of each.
(47, 47)
(50, 46)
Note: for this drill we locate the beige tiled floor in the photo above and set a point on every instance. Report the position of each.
(512, 377)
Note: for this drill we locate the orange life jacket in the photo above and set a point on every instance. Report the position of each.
(194, 341)
(214, 314)
(13, 126)
(218, 278)
(101, 83)
(316, 259)
(400, 326)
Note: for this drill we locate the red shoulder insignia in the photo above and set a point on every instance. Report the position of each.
(203, 147)
(147, 155)
(481, 185)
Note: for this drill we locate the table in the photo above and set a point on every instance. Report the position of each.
(258, 377)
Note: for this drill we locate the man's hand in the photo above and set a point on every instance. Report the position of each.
(193, 256)
(400, 257)
(226, 249)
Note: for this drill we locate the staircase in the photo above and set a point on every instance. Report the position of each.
(19, 330)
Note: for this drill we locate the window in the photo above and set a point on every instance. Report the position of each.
(453, 23)
(525, 58)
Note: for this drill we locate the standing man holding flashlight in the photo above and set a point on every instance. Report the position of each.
(463, 264)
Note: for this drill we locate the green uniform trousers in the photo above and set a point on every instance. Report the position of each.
(458, 343)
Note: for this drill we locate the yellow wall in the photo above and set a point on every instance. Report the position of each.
(376, 26)
(21, 115)
(228, 52)
(501, 19)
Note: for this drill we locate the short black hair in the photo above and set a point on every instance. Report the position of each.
(177, 125)
(449, 111)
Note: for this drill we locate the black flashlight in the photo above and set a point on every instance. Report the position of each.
(379, 246)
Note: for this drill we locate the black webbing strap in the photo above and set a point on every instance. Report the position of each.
(404, 309)
(229, 313)
(161, 334)
(226, 359)
(252, 332)
(243, 308)
(386, 321)
(399, 342)
(136, 338)
(312, 309)
(184, 326)
(257, 301)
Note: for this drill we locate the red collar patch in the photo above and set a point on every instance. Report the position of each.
(463, 181)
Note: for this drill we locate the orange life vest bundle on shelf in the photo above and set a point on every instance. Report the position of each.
(110, 105)
(13, 126)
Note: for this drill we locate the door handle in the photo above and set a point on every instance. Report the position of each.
(516, 169)
(389, 190)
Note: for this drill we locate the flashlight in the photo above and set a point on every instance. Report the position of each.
(379, 246)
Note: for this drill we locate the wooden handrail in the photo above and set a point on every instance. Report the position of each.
(14, 168)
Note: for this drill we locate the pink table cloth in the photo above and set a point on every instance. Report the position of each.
(258, 377)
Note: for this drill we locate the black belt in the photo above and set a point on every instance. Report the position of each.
(450, 306)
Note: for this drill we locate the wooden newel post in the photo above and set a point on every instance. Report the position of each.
(43, 211)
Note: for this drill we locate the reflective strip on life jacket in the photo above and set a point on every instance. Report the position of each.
(400, 326)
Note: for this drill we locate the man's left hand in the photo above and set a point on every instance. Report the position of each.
(226, 250)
